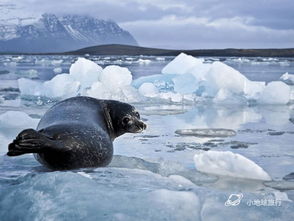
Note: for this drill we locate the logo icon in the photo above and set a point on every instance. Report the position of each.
(234, 199)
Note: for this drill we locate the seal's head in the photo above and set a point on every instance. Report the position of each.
(125, 118)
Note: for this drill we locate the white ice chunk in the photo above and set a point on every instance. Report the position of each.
(275, 92)
(185, 83)
(173, 97)
(186, 203)
(144, 61)
(61, 86)
(56, 62)
(31, 73)
(253, 89)
(222, 76)
(114, 76)
(17, 119)
(30, 87)
(225, 96)
(85, 71)
(287, 78)
(98, 90)
(115, 83)
(181, 64)
(148, 90)
(57, 70)
(226, 163)
(126, 93)
(210, 132)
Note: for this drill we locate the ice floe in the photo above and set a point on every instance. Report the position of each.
(275, 92)
(184, 79)
(212, 132)
(17, 119)
(226, 163)
(287, 78)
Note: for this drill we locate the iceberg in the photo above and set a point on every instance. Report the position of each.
(226, 163)
(115, 83)
(185, 78)
(275, 92)
(210, 132)
(185, 83)
(181, 64)
(222, 76)
(287, 78)
(114, 76)
(61, 86)
(85, 71)
(17, 119)
(148, 90)
(57, 70)
(85, 78)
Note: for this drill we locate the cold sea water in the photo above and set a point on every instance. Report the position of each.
(195, 161)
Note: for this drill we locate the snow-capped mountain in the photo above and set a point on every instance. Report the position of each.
(57, 34)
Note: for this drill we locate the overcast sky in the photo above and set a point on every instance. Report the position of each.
(187, 24)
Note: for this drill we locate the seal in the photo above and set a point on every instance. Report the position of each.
(78, 132)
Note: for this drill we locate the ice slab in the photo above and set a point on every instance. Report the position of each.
(212, 132)
(54, 195)
(148, 90)
(181, 64)
(227, 163)
(85, 71)
(287, 78)
(185, 78)
(115, 76)
(275, 92)
(17, 119)
(61, 86)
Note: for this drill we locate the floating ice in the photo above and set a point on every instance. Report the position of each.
(29, 87)
(185, 84)
(61, 86)
(275, 92)
(56, 62)
(225, 96)
(53, 195)
(287, 78)
(212, 132)
(226, 163)
(144, 61)
(32, 73)
(115, 76)
(280, 185)
(115, 83)
(148, 90)
(85, 71)
(185, 78)
(222, 76)
(17, 119)
(57, 70)
(181, 64)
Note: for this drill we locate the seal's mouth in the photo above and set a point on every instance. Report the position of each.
(138, 127)
(141, 126)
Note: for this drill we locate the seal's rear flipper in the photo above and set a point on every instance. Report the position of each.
(28, 141)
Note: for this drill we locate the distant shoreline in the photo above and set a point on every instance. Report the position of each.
(129, 50)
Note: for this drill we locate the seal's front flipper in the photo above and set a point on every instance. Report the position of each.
(29, 141)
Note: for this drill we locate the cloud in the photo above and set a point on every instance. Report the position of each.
(201, 32)
(185, 23)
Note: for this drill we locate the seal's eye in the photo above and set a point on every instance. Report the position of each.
(137, 115)
(126, 120)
